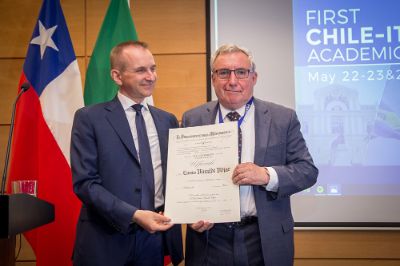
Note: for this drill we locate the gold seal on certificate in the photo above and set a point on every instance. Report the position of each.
(199, 184)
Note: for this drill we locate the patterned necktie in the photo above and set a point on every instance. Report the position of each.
(235, 116)
(147, 200)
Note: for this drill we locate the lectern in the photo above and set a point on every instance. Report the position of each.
(20, 213)
(23, 212)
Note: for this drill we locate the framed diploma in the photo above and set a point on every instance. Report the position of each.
(199, 184)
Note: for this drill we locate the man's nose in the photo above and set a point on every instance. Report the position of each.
(151, 75)
(232, 78)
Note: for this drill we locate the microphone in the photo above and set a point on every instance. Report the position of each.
(24, 87)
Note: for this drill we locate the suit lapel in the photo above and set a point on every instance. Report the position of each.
(162, 128)
(162, 132)
(209, 118)
(117, 118)
(262, 121)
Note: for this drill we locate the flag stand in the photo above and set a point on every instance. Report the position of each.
(7, 251)
(20, 213)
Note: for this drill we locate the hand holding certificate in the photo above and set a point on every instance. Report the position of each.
(199, 184)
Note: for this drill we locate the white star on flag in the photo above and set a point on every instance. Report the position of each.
(44, 39)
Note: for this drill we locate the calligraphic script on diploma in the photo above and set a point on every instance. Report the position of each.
(199, 185)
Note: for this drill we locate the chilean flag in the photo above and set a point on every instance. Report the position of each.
(43, 122)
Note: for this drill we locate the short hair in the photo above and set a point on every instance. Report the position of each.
(232, 48)
(115, 54)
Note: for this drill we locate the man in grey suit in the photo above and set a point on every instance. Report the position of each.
(274, 163)
(118, 159)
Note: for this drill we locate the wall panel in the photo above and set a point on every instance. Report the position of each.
(10, 70)
(4, 130)
(18, 17)
(347, 244)
(175, 26)
(94, 12)
(345, 262)
(181, 82)
(74, 12)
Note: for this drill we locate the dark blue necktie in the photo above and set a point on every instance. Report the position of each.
(147, 200)
(235, 116)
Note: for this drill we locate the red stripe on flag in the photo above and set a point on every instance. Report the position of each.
(36, 155)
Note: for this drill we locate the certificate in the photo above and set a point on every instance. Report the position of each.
(199, 184)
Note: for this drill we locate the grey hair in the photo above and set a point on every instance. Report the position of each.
(232, 48)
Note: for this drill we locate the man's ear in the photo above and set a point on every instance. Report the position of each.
(255, 76)
(213, 76)
(116, 76)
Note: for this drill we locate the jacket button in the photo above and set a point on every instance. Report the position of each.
(138, 190)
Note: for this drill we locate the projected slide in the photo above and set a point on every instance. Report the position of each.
(347, 83)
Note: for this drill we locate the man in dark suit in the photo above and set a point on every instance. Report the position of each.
(275, 163)
(118, 160)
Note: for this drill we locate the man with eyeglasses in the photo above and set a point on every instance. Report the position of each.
(274, 163)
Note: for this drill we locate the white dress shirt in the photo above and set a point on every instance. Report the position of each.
(247, 203)
(153, 140)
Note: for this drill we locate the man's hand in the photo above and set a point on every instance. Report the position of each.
(250, 174)
(152, 221)
(201, 226)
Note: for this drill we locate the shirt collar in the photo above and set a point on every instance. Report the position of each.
(225, 111)
(127, 102)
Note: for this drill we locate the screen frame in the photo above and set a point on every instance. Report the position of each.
(299, 225)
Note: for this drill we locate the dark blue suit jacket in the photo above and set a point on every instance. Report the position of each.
(107, 176)
(279, 144)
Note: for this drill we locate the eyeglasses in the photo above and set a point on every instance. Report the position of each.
(240, 73)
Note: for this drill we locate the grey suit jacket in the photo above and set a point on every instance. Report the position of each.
(107, 177)
(278, 144)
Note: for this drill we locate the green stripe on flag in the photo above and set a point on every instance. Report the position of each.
(117, 27)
